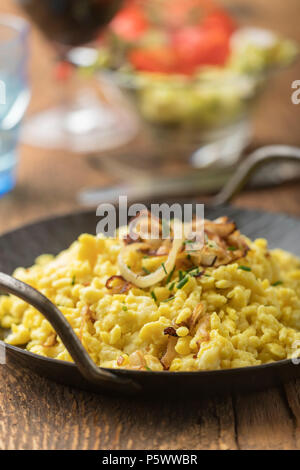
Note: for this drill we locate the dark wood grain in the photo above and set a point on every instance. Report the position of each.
(42, 415)
(38, 414)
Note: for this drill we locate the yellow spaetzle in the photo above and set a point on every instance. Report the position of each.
(252, 309)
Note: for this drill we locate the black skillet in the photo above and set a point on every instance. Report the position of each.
(20, 247)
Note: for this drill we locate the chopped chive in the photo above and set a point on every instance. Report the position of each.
(278, 283)
(73, 280)
(129, 267)
(145, 257)
(197, 273)
(172, 286)
(192, 269)
(153, 296)
(207, 275)
(188, 242)
(168, 300)
(231, 248)
(245, 268)
(146, 270)
(188, 257)
(124, 308)
(164, 268)
(182, 282)
(181, 275)
(170, 276)
(148, 368)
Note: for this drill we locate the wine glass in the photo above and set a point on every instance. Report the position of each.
(87, 119)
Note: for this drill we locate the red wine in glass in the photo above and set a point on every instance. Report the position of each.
(81, 122)
(71, 22)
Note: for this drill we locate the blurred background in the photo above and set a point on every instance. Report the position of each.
(155, 100)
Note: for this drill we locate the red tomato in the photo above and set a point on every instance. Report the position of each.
(63, 71)
(195, 46)
(158, 59)
(220, 20)
(180, 12)
(130, 23)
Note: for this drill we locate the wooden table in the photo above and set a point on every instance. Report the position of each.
(38, 414)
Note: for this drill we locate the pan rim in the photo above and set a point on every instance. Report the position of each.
(137, 373)
(82, 212)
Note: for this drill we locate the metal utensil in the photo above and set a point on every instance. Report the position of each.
(87, 367)
(192, 182)
(256, 160)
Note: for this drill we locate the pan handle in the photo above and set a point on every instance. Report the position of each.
(85, 364)
(252, 163)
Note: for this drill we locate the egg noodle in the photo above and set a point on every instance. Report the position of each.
(164, 305)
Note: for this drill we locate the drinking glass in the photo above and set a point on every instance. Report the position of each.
(14, 94)
(87, 118)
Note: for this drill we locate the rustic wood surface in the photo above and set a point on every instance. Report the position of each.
(38, 414)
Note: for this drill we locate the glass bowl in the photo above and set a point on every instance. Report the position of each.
(192, 75)
(206, 118)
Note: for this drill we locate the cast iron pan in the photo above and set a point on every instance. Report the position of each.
(20, 247)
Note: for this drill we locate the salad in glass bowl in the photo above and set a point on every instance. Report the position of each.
(192, 74)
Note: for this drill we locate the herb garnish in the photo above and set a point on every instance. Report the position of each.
(192, 269)
(168, 300)
(153, 296)
(182, 282)
(245, 268)
(170, 276)
(278, 283)
(197, 273)
(164, 268)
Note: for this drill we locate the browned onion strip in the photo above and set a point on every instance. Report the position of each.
(137, 361)
(145, 220)
(120, 360)
(220, 227)
(198, 312)
(170, 353)
(128, 240)
(156, 276)
(204, 258)
(202, 332)
(50, 341)
(170, 330)
(121, 288)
